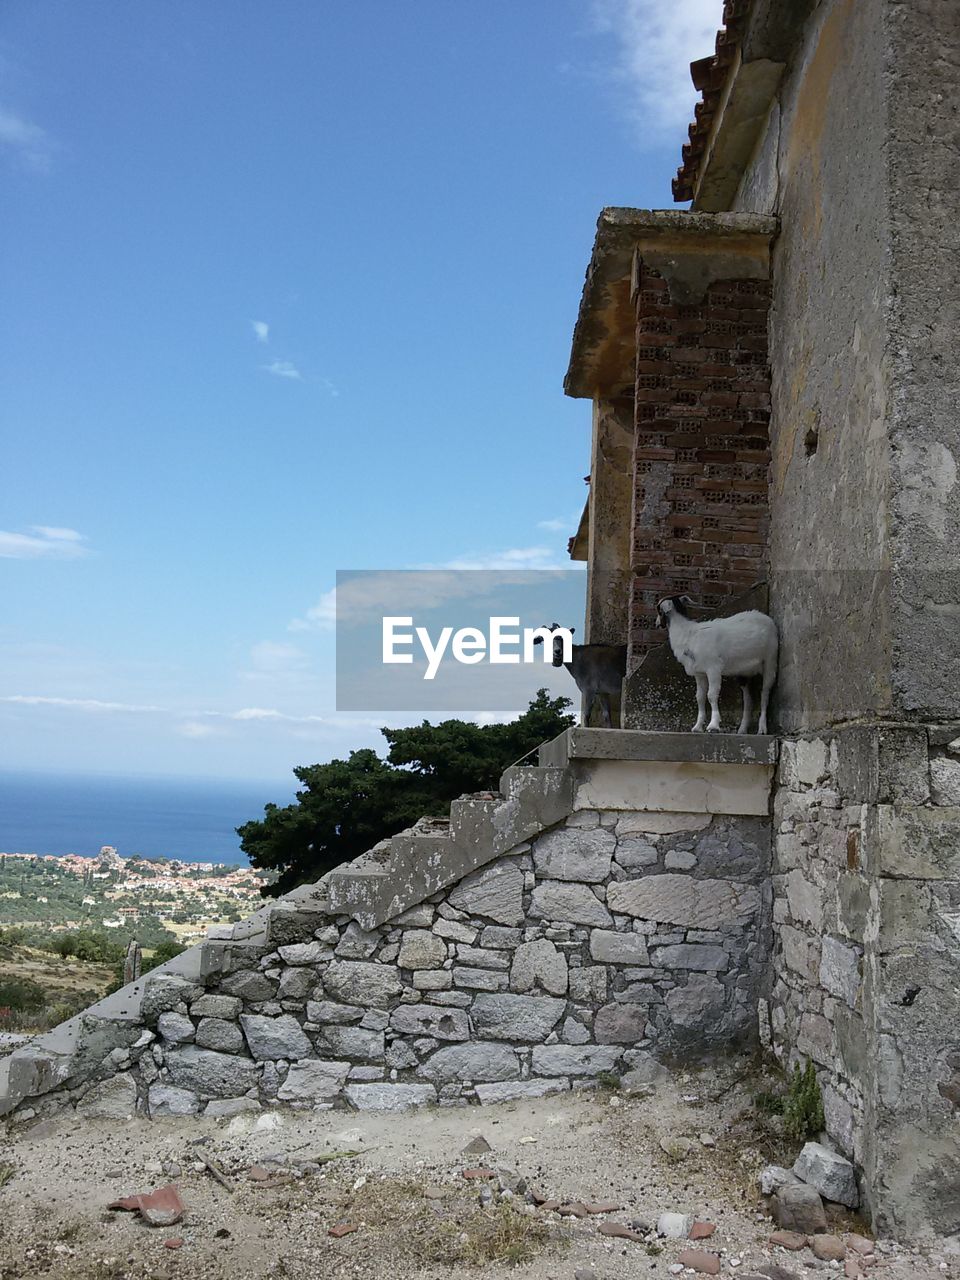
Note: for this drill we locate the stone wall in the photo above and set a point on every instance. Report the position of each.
(866, 880)
(610, 943)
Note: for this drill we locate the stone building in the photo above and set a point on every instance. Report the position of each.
(773, 422)
(774, 387)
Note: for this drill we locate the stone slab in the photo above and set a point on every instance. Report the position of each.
(575, 1060)
(509, 1090)
(510, 1017)
(389, 1097)
(682, 900)
(571, 853)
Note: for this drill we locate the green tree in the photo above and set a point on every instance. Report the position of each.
(166, 951)
(347, 806)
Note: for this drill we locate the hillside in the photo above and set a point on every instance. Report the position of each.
(150, 900)
(39, 989)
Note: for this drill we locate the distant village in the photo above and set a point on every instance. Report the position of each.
(111, 892)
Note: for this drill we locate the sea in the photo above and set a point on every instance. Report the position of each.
(190, 819)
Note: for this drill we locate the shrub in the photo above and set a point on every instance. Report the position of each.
(803, 1105)
(21, 995)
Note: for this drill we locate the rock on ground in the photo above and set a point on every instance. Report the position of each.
(829, 1173)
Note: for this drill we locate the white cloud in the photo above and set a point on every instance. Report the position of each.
(56, 534)
(656, 42)
(371, 595)
(77, 704)
(322, 617)
(283, 369)
(196, 724)
(268, 713)
(271, 657)
(25, 139)
(261, 330)
(512, 558)
(42, 542)
(197, 729)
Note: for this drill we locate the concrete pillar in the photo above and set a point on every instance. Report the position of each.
(609, 514)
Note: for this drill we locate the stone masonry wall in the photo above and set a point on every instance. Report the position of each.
(866, 880)
(819, 913)
(609, 943)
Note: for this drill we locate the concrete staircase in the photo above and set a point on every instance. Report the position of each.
(417, 863)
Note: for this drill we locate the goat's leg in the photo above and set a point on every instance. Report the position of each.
(768, 679)
(713, 693)
(747, 705)
(604, 700)
(701, 680)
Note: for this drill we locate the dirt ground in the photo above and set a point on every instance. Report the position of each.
(413, 1212)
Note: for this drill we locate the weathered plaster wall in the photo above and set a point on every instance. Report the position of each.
(820, 166)
(610, 942)
(866, 878)
(923, 85)
(858, 160)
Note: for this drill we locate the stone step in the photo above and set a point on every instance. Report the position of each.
(481, 828)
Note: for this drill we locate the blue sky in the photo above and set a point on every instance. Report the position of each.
(289, 288)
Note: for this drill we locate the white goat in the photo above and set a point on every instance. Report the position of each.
(743, 645)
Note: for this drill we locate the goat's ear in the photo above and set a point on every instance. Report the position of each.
(687, 600)
(538, 639)
(572, 630)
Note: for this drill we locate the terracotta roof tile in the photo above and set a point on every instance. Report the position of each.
(709, 76)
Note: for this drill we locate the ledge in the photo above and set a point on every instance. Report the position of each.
(691, 250)
(640, 744)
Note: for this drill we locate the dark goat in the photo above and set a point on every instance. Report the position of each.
(598, 669)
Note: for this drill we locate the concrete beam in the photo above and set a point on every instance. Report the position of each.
(636, 744)
(691, 251)
(748, 98)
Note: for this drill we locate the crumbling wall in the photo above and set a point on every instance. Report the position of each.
(610, 943)
(866, 877)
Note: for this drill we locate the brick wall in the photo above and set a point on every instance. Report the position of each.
(700, 519)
